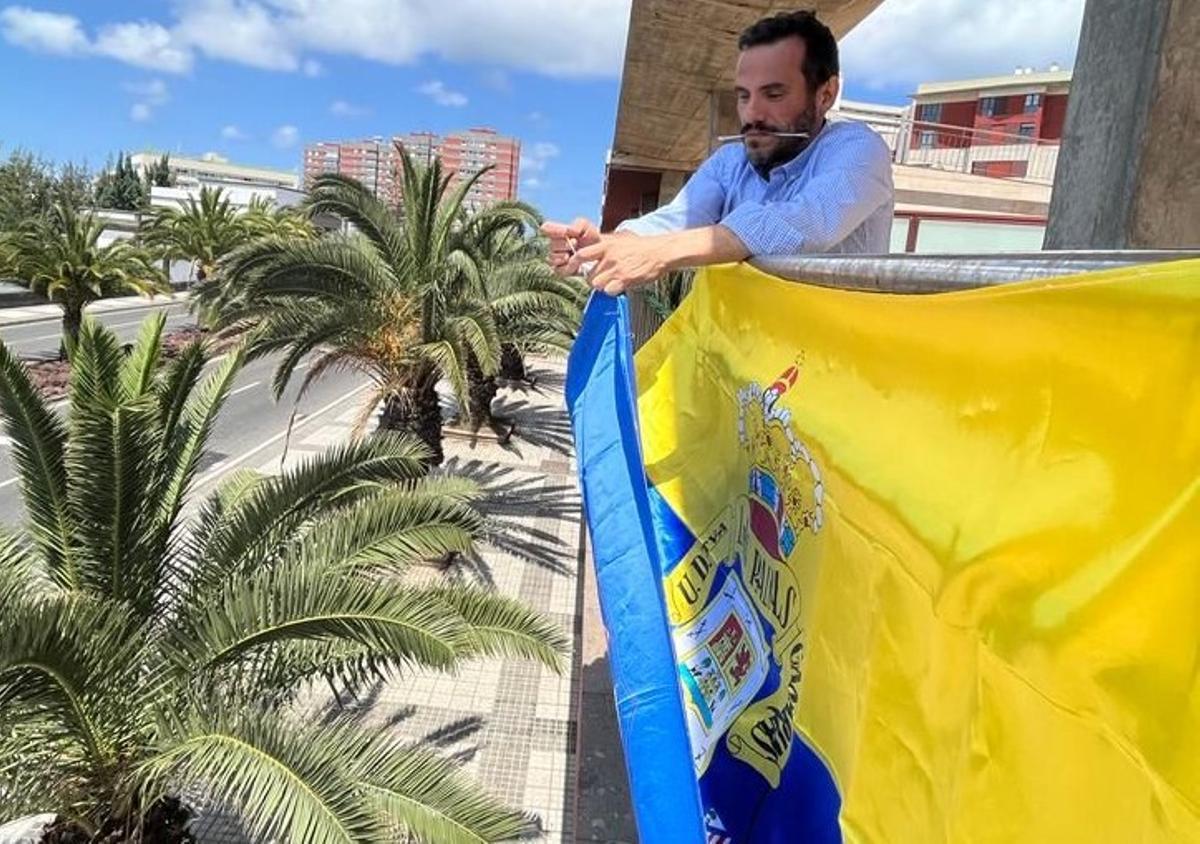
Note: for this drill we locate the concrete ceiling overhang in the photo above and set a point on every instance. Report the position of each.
(680, 54)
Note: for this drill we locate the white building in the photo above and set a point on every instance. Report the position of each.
(216, 169)
(887, 120)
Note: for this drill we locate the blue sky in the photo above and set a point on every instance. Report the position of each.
(256, 79)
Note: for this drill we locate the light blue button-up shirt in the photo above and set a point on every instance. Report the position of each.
(835, 196)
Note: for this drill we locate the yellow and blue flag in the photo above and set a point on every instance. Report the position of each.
(881, 568)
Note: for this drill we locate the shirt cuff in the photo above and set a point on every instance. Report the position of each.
(759, 231)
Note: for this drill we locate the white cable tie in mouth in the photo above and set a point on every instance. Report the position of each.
(724, 139)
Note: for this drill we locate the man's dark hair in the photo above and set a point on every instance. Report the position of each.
(820, 47)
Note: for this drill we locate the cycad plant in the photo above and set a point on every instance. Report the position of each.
(61, 257)
(155, 649)
(398, 297)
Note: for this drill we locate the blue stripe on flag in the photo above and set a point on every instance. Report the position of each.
(600, 399)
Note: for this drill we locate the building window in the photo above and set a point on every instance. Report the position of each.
(992, 106)
(1026, 130)
(931, 112)
(1032, 103)
(928, 139)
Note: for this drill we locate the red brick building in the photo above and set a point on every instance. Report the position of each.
(1016, 115)
(376, 164)
(470, 151)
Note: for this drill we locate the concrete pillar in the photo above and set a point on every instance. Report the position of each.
(1129, 171)
(722, 116)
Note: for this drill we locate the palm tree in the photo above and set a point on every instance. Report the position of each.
(203, 231)
(668, 292)
(265, 219)
(148, 659)
(397, 297)
(60, 257)
(535, 310)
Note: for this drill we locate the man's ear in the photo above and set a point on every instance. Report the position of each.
(827, 94)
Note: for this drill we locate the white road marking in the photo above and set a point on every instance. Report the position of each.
(244, 389)
(301, 418)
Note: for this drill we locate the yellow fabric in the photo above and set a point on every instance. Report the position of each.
(1000, 599)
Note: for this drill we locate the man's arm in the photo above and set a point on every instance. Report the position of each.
(622, 262)
(699, 203)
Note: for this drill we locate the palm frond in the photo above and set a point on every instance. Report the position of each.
(274, 510)
(96, 361)
(112, 495)
(173, 390)
(391, 530)
(286, 781)
(58, 656)
(138, 368)
(503, 627)
(21, 573)
(311, 602)
(422, 796)
(348, 199)
(38, 444)
(192, 432)
(448, 359)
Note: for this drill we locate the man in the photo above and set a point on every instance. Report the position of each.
(772, 194)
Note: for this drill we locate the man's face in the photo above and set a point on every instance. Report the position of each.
(773, 96)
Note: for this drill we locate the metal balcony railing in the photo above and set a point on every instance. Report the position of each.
(967, 149)
(918, 274)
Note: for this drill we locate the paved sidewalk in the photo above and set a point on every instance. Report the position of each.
(52, 312)
(511, 724)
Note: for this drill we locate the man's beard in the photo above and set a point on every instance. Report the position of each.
(784, 149)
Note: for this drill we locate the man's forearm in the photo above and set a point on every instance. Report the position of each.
(619, 263)
(701, 247)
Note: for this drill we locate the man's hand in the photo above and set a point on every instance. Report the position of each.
(565, 239)
(622, 262)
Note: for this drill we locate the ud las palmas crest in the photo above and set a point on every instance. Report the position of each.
(735, 599)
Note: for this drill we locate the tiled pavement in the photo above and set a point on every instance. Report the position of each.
(511, 724)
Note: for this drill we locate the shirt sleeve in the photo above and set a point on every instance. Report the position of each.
(699, 203)
(854, 183)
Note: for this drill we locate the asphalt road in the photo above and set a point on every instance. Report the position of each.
(36, 339)
(250, 424)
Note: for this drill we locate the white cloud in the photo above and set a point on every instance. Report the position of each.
(148, 45)
(535, 157)
(233, 133)
(533, 182)
(537, 118)
(153, 91)
(906, 42)
(285, 137)
(341, 108)
(587, 41)
(45, 32)
(437, 91)
(149, 95)
(236, 31)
